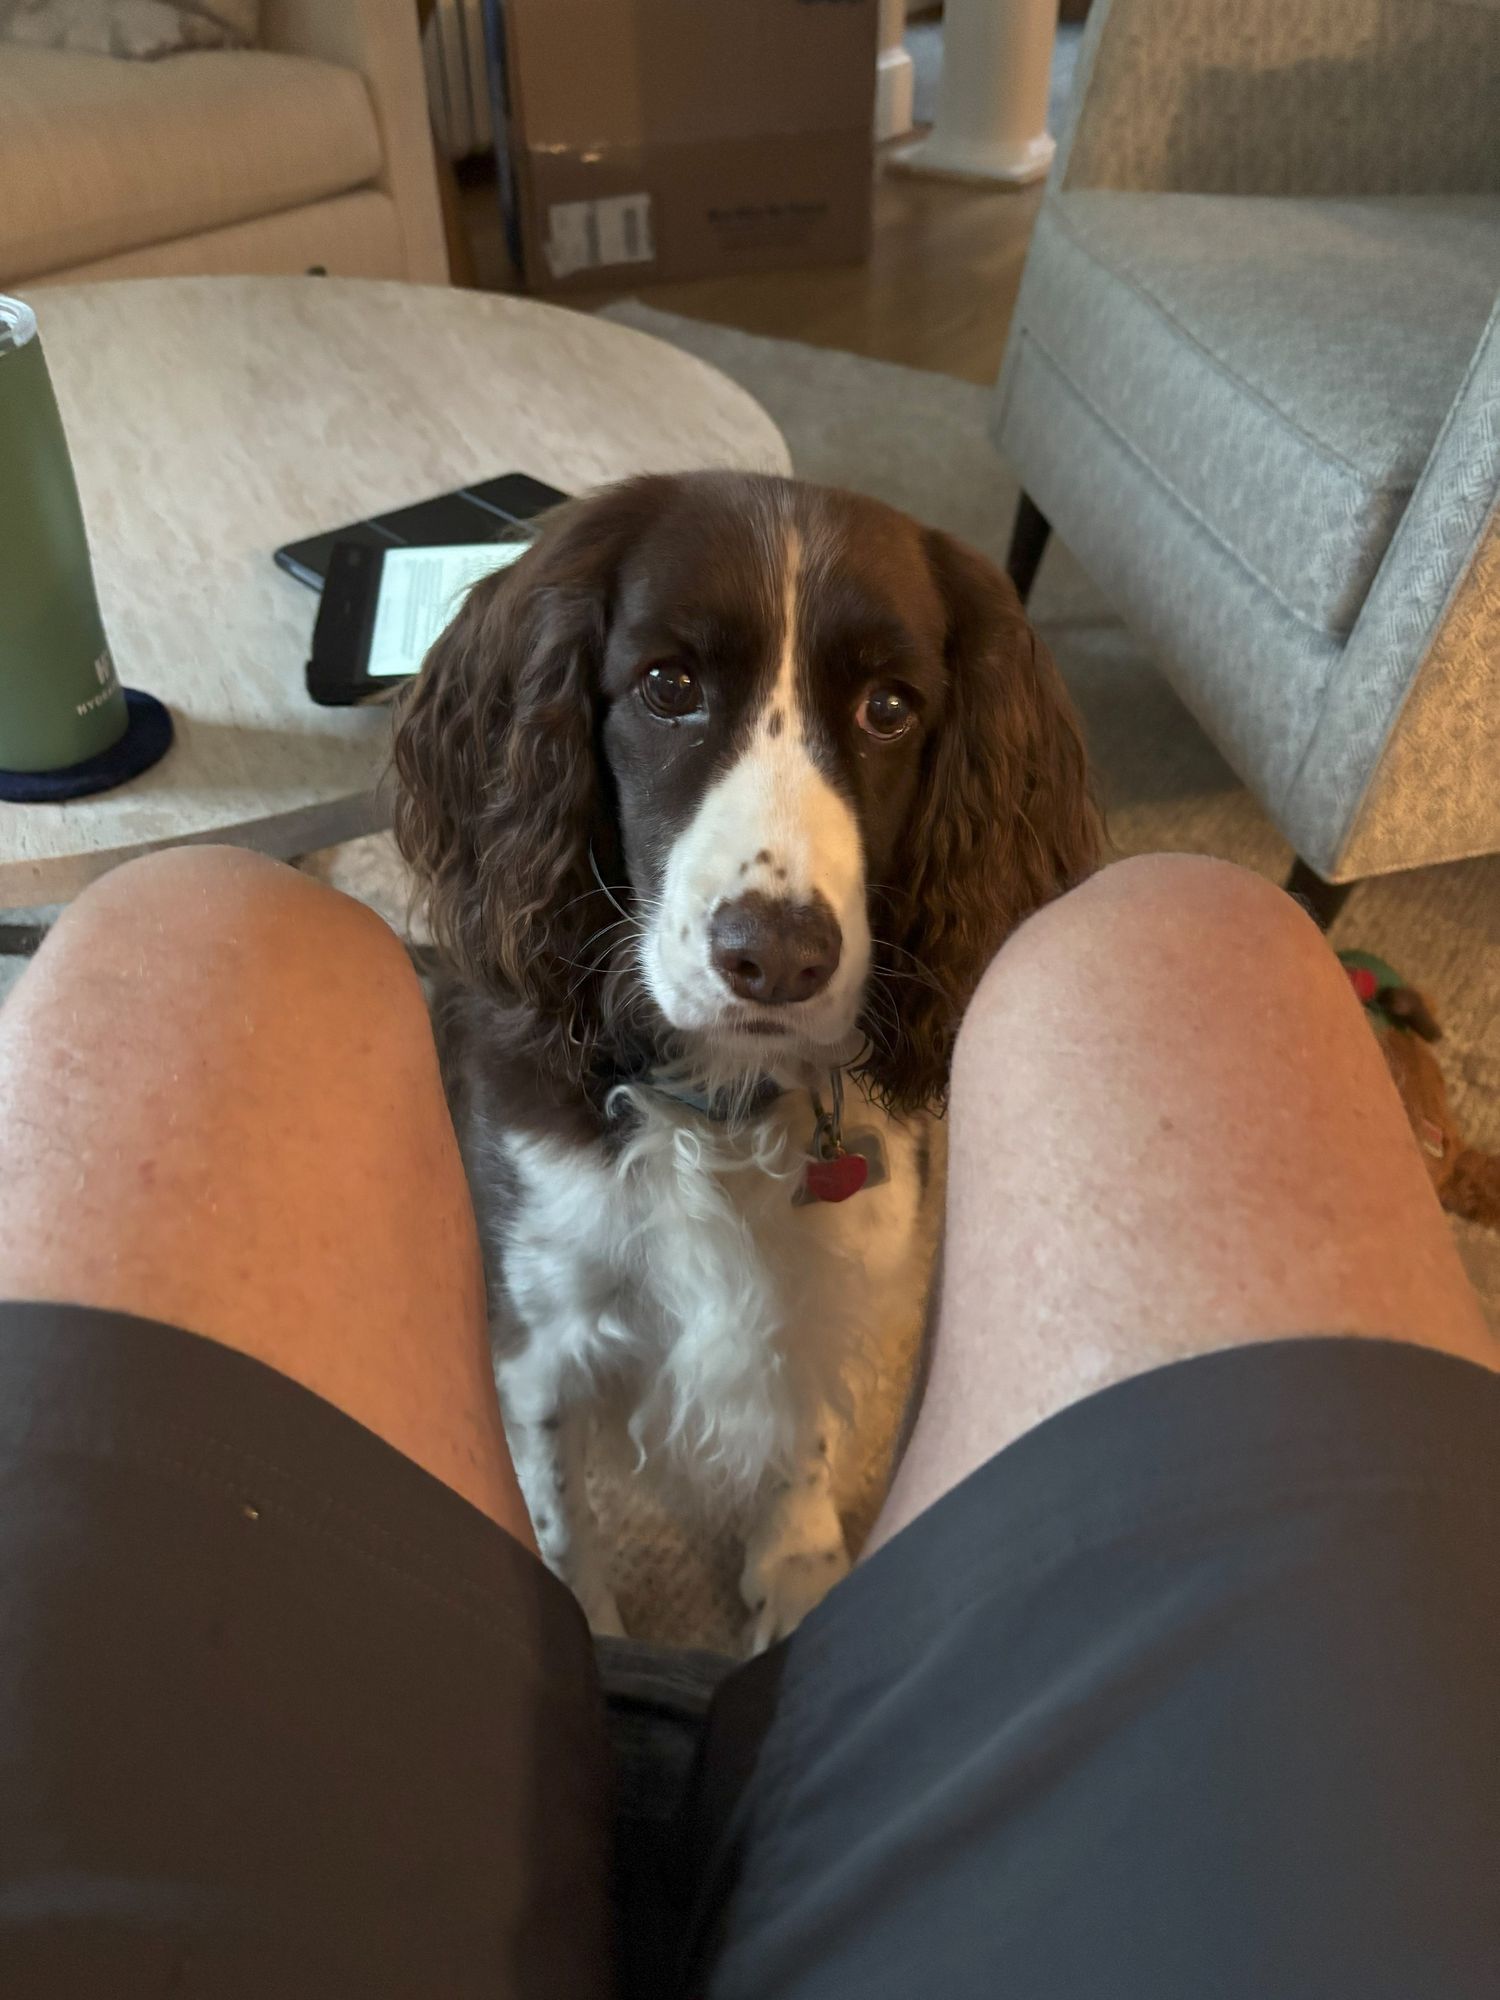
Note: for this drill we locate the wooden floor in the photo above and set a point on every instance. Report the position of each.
(937, 291)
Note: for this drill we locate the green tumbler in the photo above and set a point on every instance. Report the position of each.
(60, 699)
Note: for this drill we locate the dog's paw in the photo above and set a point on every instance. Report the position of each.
(792, 1588)
(601, 1610)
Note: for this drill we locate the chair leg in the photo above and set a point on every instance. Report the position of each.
(1028, 538)
(1322, 900)
(21, 940)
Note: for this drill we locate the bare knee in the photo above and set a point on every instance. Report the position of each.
(1162, 927)
(244, 1133)
(200, 892)
(1217, 890)
(225, 918)
(232, 1024)
(1231, 907)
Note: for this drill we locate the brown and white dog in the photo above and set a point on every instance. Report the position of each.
(723, 796)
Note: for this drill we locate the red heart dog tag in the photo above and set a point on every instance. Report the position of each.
(836, 1179)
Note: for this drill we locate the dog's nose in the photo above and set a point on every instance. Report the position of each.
(774, 951)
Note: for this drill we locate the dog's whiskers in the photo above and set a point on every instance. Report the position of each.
(593, 964)
(921, 974)
(896, 972)
(881, 1034)
(584, 896)
(597, 967)
(594, 865)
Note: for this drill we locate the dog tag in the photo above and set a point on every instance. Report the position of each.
(835, 1180)
(870, 1147)
(860, 1163)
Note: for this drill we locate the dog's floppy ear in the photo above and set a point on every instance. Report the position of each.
(1004, 820)
(500, 798)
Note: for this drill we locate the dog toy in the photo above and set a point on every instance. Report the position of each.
(1467, 1180)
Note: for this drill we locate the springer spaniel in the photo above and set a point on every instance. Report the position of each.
(722, 798)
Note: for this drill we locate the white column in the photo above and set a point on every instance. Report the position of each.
(992, 106)
(893, 74)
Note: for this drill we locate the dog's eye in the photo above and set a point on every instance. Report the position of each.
(671, 690)
(885, 713)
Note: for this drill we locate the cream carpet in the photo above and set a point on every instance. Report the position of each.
(919, 441)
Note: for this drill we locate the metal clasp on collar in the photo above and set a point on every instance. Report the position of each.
(828, 1126)
(838, 1167)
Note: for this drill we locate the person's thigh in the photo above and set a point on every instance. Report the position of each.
(1170, 1672)
(220, 1107)
(1172, 1131)
(287, 1702)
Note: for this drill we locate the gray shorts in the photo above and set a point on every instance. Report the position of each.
(1190, 1692)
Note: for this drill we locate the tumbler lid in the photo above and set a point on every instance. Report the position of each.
(17, 324)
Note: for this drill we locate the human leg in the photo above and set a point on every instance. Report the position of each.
(1159, 1679)
(1172, 1131)
(220, 1107)
(286, 1702)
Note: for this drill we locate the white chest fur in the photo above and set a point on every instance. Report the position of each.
(679, 1271)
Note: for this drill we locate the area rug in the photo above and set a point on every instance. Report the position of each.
(919, 441)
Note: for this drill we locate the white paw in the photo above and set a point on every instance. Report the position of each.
(601, 1610)
(792, 1587)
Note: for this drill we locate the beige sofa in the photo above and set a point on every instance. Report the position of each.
(313, 150)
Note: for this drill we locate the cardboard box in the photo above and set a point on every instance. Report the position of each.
(682, 138)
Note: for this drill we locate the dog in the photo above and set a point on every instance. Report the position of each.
(721, 799)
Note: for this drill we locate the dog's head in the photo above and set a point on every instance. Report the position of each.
(814, 750)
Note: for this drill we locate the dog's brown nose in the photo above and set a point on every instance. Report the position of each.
(774, 951)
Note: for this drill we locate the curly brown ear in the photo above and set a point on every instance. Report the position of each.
(499, 799)
(1005, 818)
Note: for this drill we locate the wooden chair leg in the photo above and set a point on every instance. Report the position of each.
(1322, 900)
(1028, 539)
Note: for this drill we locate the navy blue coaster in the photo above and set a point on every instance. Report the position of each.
(145, 742)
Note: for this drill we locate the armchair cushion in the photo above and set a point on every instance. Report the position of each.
(1281, 365)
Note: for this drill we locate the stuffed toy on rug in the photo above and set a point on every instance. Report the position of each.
(1467, 1180)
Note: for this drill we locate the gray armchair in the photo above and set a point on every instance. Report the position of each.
(1254, 381)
